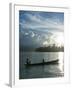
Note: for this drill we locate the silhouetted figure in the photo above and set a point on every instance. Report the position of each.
(43, 60)
(28, 61)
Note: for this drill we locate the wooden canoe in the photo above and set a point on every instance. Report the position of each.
(43, 63)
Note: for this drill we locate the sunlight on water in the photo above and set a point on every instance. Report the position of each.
(60, 57)
(61, 60)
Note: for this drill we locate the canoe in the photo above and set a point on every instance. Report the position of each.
(43, 63)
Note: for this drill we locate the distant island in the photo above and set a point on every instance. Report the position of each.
(52, 48)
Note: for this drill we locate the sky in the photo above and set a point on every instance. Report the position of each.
(38, 28)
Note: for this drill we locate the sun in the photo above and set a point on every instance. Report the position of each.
(60, 40)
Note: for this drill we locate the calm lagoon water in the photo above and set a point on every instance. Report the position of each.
(42, 71)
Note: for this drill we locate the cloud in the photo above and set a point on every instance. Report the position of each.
(26, 33)
(40, 28)
(37, 22)
(32, 34)
(45, 43)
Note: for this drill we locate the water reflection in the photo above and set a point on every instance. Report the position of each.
(41, 71)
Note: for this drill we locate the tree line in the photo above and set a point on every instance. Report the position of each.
(52, 48)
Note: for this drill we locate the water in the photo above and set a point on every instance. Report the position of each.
(41, 71)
